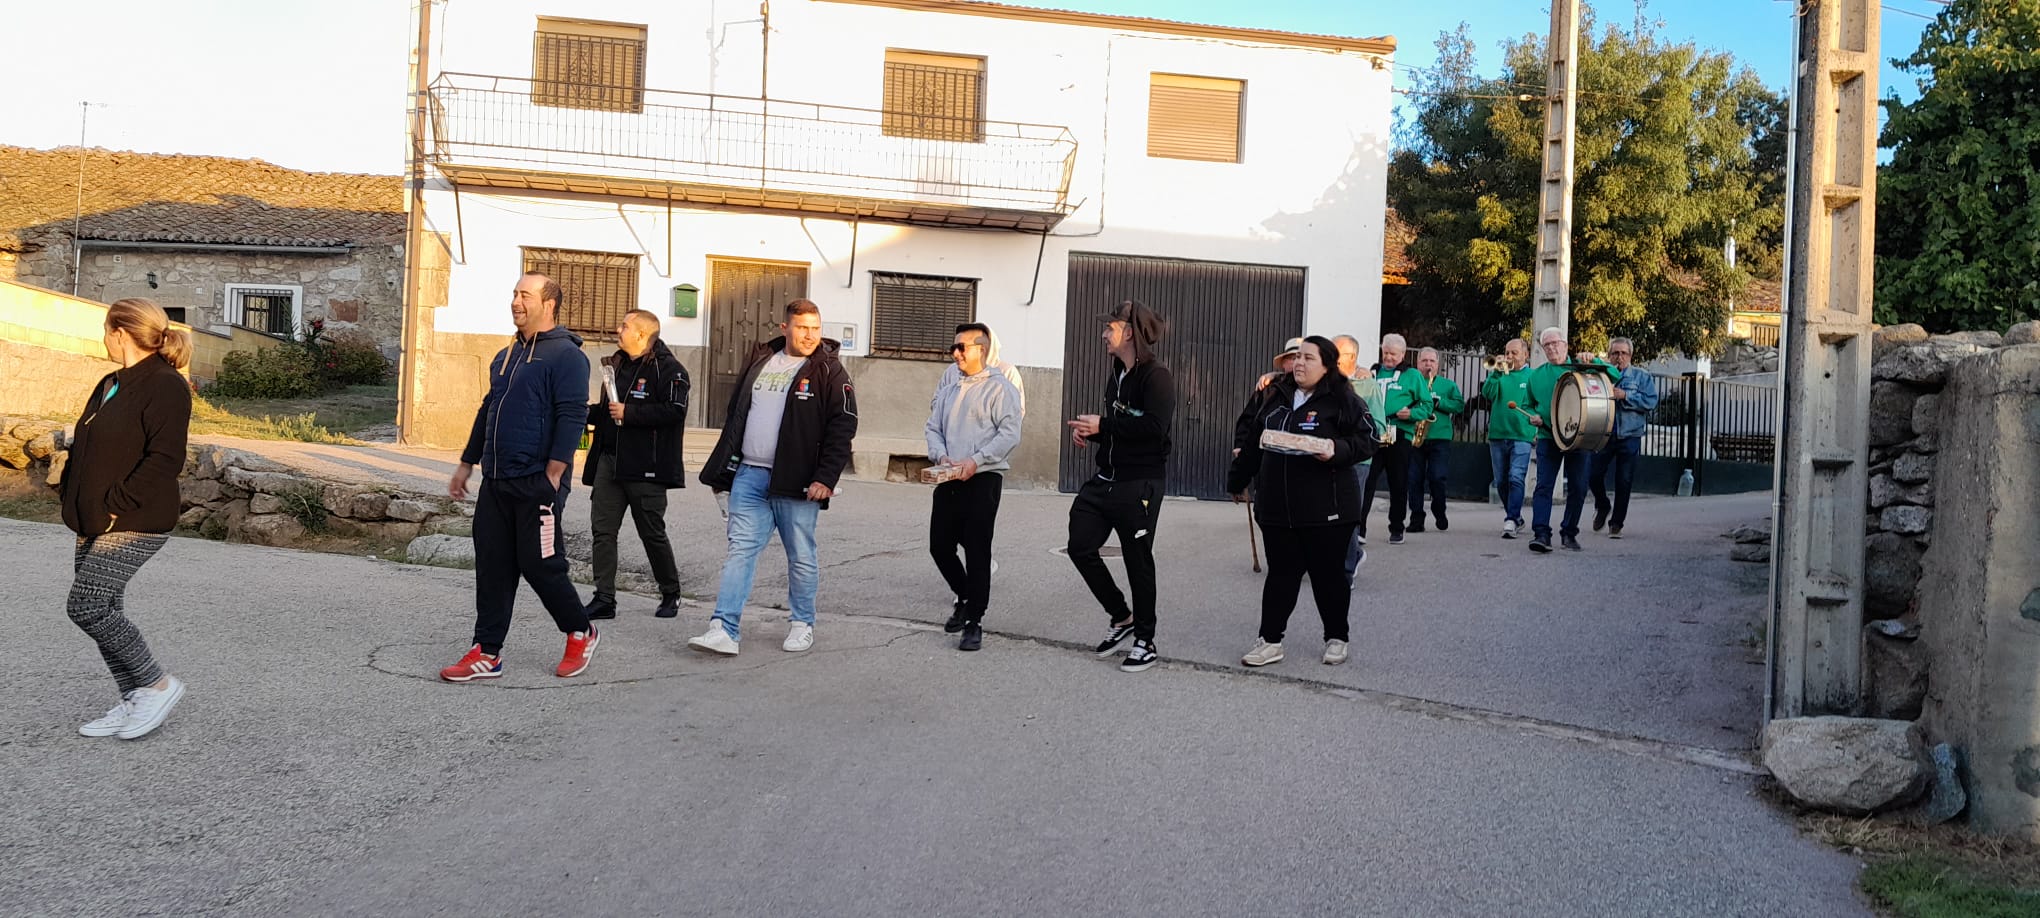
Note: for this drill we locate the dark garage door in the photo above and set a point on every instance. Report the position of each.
(1225, 321)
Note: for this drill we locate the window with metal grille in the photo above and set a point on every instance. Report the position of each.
(915, 316)
(271, 310)
(596, 288)
(578, 63)
(934, 96)
(1193, 117)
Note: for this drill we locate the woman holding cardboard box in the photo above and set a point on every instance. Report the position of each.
(1308, 434)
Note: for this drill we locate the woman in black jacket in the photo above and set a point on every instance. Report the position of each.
(1307, 504)
(120, 496)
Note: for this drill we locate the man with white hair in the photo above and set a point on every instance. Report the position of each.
(1406, 400)
(1635, 395)
(1552, 461)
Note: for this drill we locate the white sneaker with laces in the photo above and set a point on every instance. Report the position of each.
(1263, 654)
(798, 638)
(1509, 529)
(1335, 652)
(715, 640)
(147, 708)
(116, 720)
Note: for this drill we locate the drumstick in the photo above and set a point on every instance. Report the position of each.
(1253, 541)
(1522, 412)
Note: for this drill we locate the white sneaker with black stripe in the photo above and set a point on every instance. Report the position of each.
(1114, 637)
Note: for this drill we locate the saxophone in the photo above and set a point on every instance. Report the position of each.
(1423, 428)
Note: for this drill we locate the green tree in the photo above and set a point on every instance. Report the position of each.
(1958, 229)
(1678, 149)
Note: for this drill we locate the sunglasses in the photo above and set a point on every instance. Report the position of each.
(960, 348)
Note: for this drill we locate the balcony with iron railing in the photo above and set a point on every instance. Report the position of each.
(769, 154)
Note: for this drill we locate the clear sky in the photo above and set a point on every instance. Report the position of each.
(320, 85)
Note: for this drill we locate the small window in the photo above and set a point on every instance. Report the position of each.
(272, 310)
(579, 63)
(176, 314)
(914, 316)
(934, 96)
(1193, 117)
(596, 288)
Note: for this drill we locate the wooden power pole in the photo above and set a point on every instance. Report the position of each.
(413, 335)
(1552, 307)
(1816, 626)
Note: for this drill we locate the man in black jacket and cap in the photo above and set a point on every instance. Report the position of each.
(635, 457)
(1131, 443)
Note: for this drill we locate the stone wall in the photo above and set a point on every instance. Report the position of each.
(235, 495)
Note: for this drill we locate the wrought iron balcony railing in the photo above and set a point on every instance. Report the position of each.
(750, 152)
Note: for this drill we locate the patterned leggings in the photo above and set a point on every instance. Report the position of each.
(102, 567)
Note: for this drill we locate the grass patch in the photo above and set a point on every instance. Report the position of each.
(22, 499)
(329, 418)
(1916, 886)
(1917, 871)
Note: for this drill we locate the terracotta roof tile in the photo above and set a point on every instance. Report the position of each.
(148, 197)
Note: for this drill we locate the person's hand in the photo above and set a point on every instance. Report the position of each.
(457, 488)
(1240, 498)
(967, 469)
(1086, 425)
(722, 503)
(1236, 452)
(818, 491)
(1403, 415)
(1621, 396)
(1536, 421)
(554, 471)
(1078, 439)
(1266, 378)
(616, 412)
(1325, 456)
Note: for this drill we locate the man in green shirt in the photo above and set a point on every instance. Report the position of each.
(1509, 431)
(1552, 461)
(1430, 462)
(1405, 400)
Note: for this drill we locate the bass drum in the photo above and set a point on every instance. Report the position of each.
(1583, 411)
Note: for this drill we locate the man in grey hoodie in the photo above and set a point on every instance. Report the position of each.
(973, 426)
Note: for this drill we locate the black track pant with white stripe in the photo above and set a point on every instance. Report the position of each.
(101, 569)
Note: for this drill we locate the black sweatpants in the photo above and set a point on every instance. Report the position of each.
(1129, 508)
(1429, 464)
(646, 502)
(1320, 552)
(1392, 468)
(962, 515)
(518, 532)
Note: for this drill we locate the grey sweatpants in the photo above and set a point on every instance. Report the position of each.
(101, 569)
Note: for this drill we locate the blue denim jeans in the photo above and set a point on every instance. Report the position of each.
(1622, 453)
(754, 515)
(1511, 462)
(1551, 462)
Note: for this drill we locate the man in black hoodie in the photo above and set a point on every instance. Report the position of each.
(782, 449)
(635, 457)
(1131, 443)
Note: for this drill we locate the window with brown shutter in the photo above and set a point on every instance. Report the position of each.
(596, 288)
(1194, 117)
(934, 96)
(916, 316)
(579, 63)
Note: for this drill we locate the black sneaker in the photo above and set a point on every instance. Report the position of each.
(1442, 525)
(1569, 543)
(956, 620)
(669, 607)
(1614, 532)
(601, 607)
(1416, 525)
(1140, 657)
(973, 637)
(1541, 545)
(1114, 637)
(1395, 538)
(1600, 519)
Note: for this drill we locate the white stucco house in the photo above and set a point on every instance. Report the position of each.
(908, 165)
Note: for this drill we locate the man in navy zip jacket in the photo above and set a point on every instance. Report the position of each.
(524, 439)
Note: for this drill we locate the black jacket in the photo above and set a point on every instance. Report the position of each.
(1132, 441)
(814, 433)
(653, 389)
(1296, 491)
(536, 408)
(128, 452)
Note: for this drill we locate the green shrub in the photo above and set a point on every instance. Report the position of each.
(351, 360)
(284, 371)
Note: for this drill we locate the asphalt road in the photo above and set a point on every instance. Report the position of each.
(1516, 735)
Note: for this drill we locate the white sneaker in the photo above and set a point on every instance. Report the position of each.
(116, 720)
(147, 708)
(1508, 529)
(1335, 652)
(798, 638)
(1263, 654)
(715, 640)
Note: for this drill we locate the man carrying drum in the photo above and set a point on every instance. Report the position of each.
(1551, 459)
(1635, 395)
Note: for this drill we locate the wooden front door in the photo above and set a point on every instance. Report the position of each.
(746, 301)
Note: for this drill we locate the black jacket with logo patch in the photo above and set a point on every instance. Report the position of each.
(647, 443)
(814, 433)
(1293, 491)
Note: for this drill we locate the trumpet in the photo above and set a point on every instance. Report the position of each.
(1495, 363)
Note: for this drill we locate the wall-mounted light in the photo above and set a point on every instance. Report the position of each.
(152, 280)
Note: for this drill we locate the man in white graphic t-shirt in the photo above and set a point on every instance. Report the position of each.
(782, 449)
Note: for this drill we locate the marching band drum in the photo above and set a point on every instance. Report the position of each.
(1583, 410)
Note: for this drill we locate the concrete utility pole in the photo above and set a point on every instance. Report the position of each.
(1553, 306)
(1816, 627)
(413, 334)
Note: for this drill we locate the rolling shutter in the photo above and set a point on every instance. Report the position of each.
(916, 316)
(1192, 117)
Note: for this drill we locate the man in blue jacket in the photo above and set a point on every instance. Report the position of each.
(1635, 395)
(524, 439)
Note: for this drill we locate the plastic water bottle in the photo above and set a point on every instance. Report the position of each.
(1686, 483)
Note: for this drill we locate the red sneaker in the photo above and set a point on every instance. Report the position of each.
(580, 649)
(476, 665)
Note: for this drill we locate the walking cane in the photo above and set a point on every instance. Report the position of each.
(1253, 541)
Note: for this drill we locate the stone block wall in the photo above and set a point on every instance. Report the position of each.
(235, 495)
